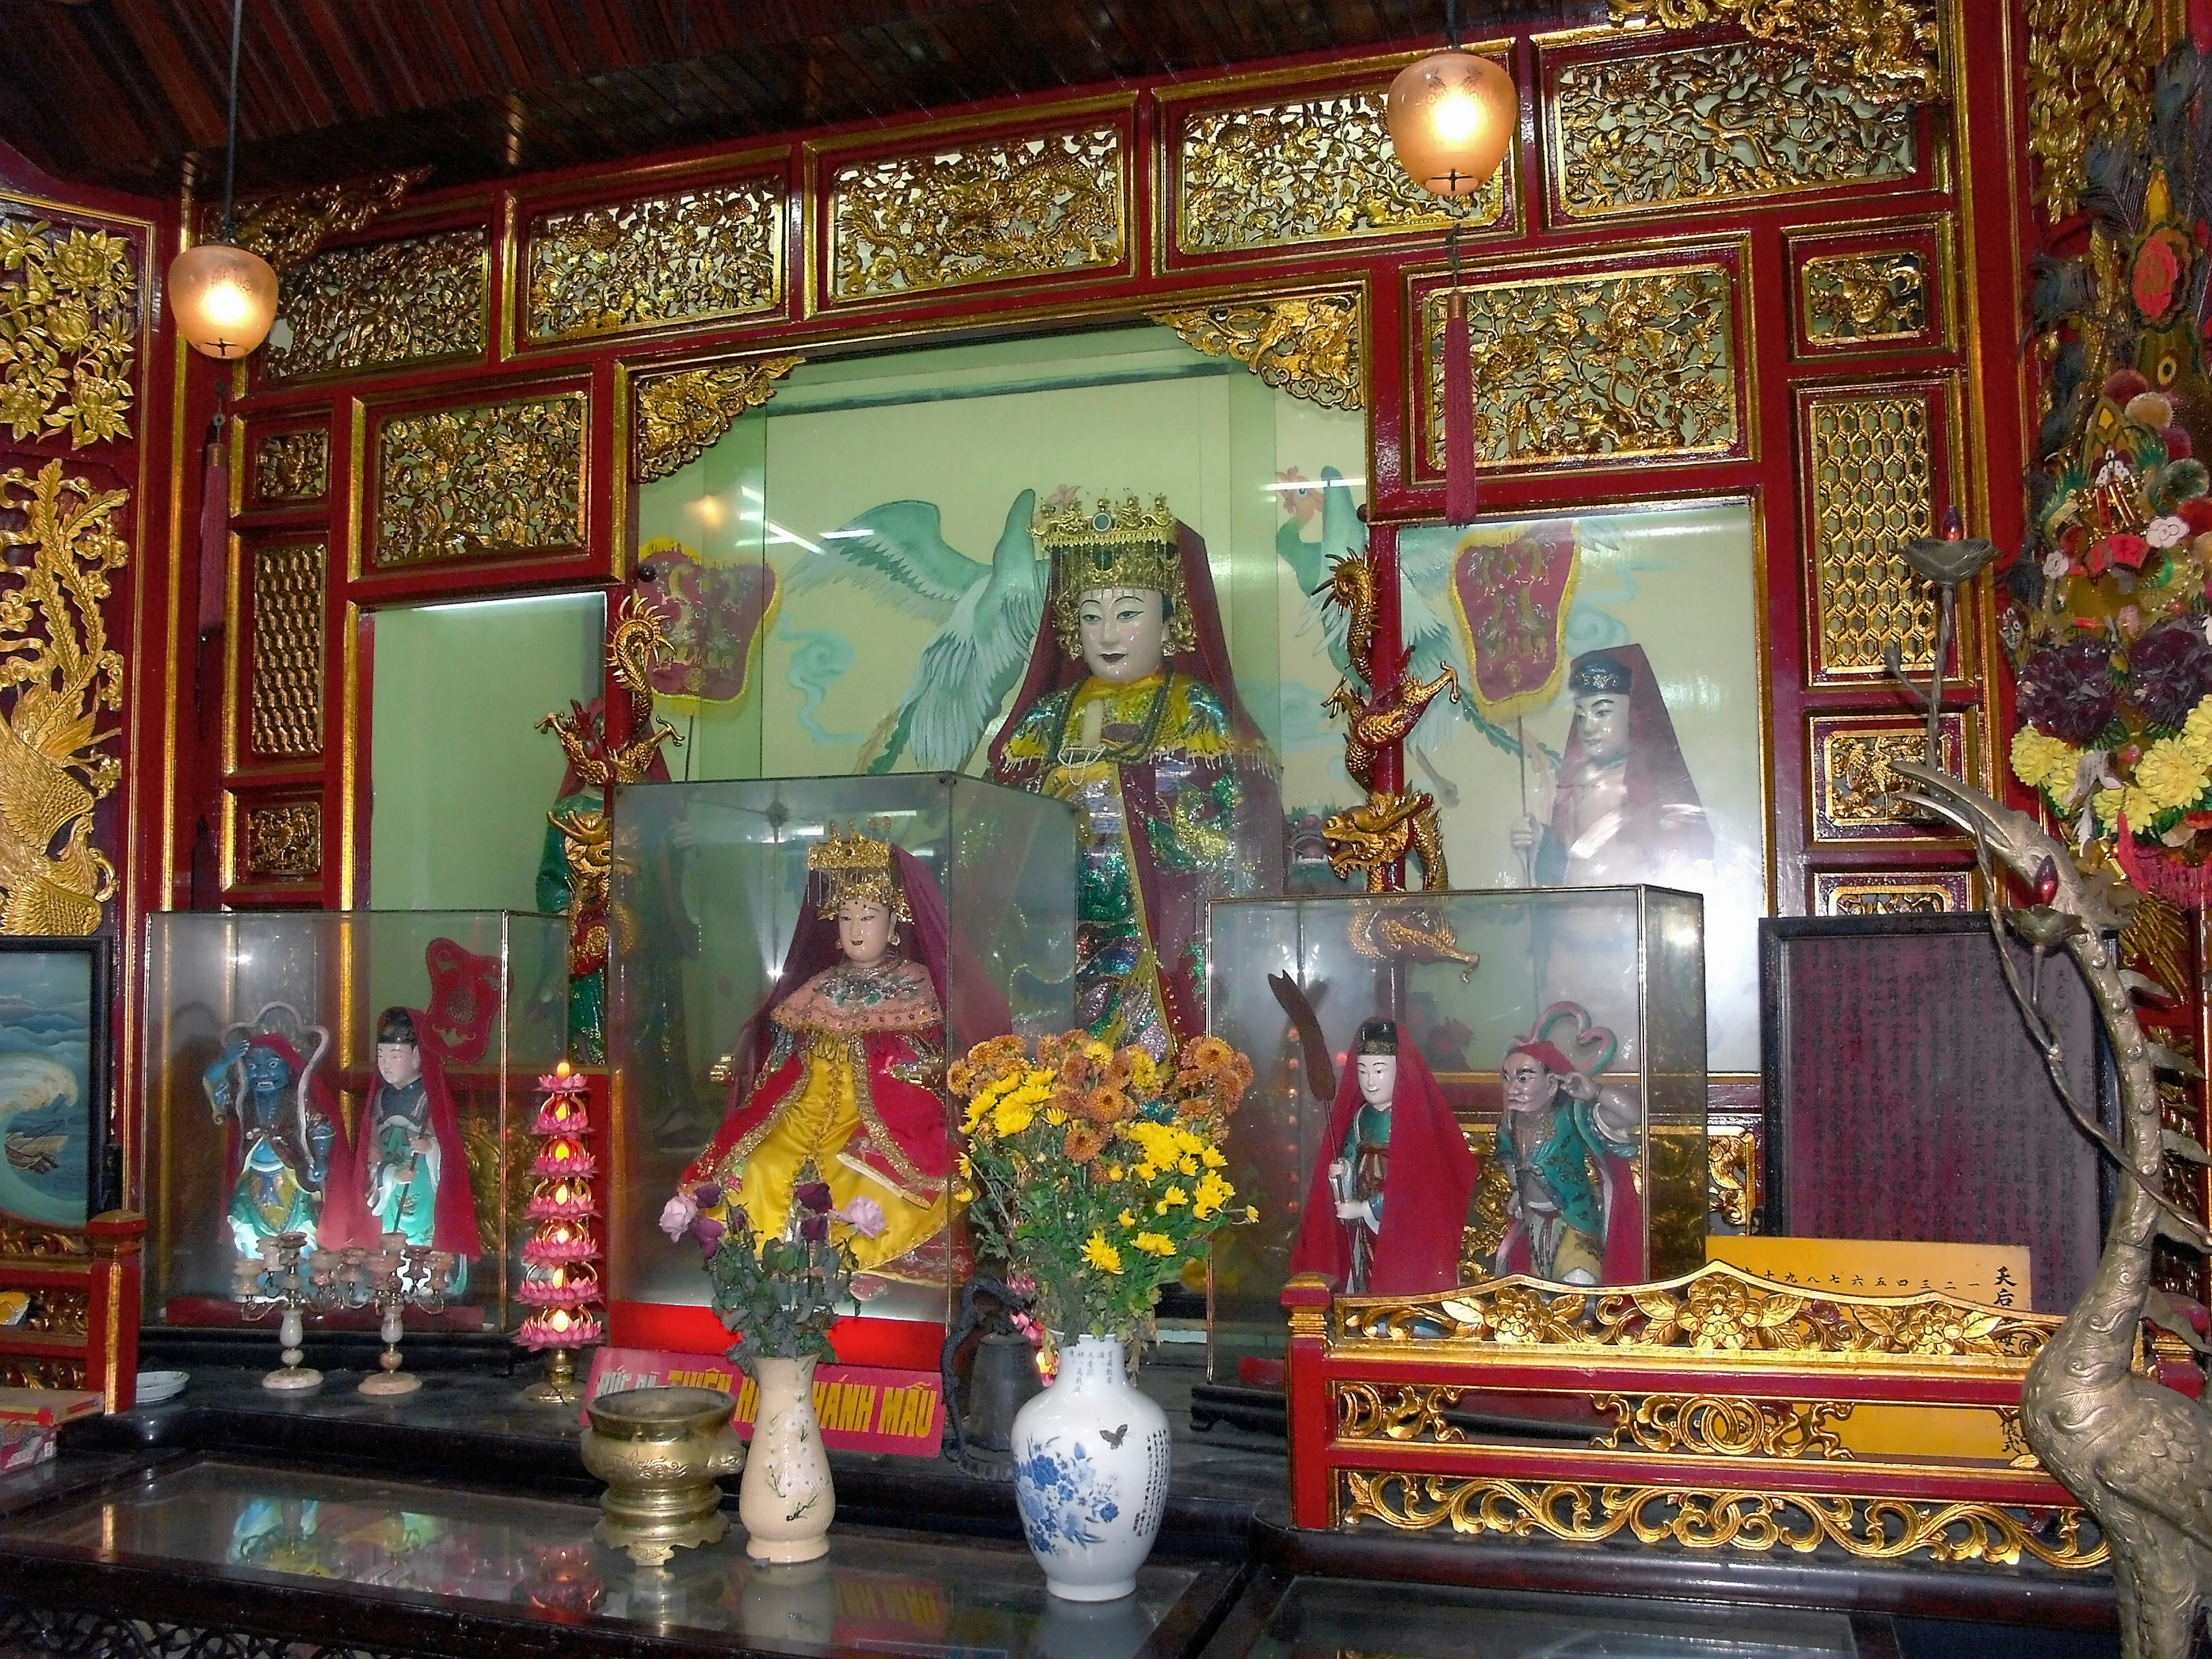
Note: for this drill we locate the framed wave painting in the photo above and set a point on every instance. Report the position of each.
(53, 1080)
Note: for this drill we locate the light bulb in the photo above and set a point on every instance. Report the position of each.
(223, 298)
(1452, 115)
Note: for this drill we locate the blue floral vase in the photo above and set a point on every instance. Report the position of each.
(1091, 1473)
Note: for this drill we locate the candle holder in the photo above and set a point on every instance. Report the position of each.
(389, 1279)
(285, 1281)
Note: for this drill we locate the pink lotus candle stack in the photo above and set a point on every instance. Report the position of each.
(560, 1283)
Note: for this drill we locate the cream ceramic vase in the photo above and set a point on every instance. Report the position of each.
(785, 1500)
(1091, 1473)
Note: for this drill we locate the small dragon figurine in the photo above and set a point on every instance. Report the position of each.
(1376, 723)
(636, 648)
(1379, 832)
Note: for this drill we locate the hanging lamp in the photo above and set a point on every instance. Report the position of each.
(223, 297)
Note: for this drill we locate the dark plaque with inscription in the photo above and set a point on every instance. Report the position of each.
(1905, 1100)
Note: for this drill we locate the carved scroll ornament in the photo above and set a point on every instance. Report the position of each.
(683, 416)
(1306, 344)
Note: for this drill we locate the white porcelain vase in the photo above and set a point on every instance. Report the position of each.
(785, 1500)
(1091, 1473)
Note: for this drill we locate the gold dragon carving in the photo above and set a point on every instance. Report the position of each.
(682, 416)
(69, 328)
(1306, 344)
(285, 229)
(2090, 63)
(57, 676)
(1887, 51)
(657, 259)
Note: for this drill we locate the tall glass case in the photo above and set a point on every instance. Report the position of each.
(712, 913)
(345, 1075)
(1581, 1010)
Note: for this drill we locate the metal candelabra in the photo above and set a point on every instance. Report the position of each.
(282, 1281)
(389, 1278)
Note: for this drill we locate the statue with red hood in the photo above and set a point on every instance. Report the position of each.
(1130, 713)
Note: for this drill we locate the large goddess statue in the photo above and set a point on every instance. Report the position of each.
(1129, 712)
(838, 1076)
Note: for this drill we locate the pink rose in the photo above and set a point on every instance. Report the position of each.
(864, 1215)
(678, 1215)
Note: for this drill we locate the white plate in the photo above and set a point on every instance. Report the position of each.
(155, 1387)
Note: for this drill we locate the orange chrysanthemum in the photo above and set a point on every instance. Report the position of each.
(1084, 1143)
(1108, 1106)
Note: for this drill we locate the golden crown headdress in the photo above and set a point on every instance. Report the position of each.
(857, 867)
(1113, 547)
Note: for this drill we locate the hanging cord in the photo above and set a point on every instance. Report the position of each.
(230, 143)
(1451, 26)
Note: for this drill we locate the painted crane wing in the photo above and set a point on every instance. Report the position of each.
(896, 553)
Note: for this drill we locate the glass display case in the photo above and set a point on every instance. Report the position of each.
(345, 1075)
(1580, 1009)
(717, 921)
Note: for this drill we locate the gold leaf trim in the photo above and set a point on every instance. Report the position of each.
(682, 416)
(1308, 345)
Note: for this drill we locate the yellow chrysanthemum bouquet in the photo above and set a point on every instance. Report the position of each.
(1096, 1171)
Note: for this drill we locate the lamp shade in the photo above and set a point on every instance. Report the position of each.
(223, 298)
(1451, 115)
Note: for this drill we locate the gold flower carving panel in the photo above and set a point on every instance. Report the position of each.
(283, 841)
(1889, 893)
(656, 260)
(350, 309)
(68, 331)
(291, 466)
(482, 482)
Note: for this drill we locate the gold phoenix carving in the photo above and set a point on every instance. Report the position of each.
(1872, 463)
(490, 479)
(657, 259)
(1408, 1412)
(1722, 124)
(286, 704)
(1306, 344)
(682, 416)
(1570, 368)
(1886, 51)
(57, 676)
(1311, 170)
(1858, 777)
(284, 840)
(1858, 894)
(292, 466)
(2090, 64)
(1875, 1528)
(985, 213)
(285, 229)
(1723, 1425)
(1732, 1175)
(1717, 1308)
(350, 309)
(69, 328)
(1851, 299)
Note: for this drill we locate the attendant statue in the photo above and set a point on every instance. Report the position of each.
(1569, 1150)
(283, 1126)
(1388, 1202)
(409, 1172)
(1129, 712)
(838, 1078)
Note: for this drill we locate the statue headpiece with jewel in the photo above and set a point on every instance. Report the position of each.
(1114, 547)
(856, 866)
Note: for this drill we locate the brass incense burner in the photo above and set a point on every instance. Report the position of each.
(660, 1451)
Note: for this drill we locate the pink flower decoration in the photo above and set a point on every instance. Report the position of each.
(678, 1215)
(864, 1215)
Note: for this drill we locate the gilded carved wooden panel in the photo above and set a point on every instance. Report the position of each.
(69, 330)
(281, 841)
(2090, 64)
(1871, 460)
(1854, 299)
(1854, 762)
(680, 416)
(290, 467)
(350, 309)
(990, 211)
(1293, 172)
(684, 256)
(1575, 367)
(1889, 892)
(285, 695)
(481, 482)
(1307, 344)
(1712, 124)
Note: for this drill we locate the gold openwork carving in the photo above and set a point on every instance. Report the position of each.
(1717, 1308)
(1723, 1425)
(355, 308)
(1872, 463)
(283, 841)
(285, 703)
(484, 481)
(69, 327)
(42, 1373)
(1720, 123)
(285, 229)
(681, 416)
(2089, 68)
(1406, 1412)
(1310, 170)
(59, 1313)
(1732, 1176)
(1307, 345)
(1853, 299)
(1873, 1530)
(987, 212)
(20, 1240)
(1885, 50)
(1570, 368)
(1915, 893)
(57, 677)
(1856, 775)
(292, 466)
(659, 259)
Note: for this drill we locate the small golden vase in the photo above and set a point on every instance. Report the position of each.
(660, 1451)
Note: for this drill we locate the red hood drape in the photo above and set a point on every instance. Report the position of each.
(1660, 810)
(347, 1223)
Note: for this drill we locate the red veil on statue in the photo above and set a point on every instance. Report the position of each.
(346, 1220)
(1425, 1188)
(1660, 811)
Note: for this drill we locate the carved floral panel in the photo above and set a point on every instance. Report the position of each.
(1287, 173)
(285, 695)
(1889, 892)
(291, 466)
(69, 330)
(1851, 299)
(1716, 124)
(481, 482)
(989, 211)
(1575, 367)
(350, 309)
(657, 259)
(1854, 762)
(1870, 462)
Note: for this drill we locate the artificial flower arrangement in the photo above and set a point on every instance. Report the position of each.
(778, 1294)
(1096, 1171)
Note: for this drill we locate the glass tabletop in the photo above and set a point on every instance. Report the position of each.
(878, 1590)
(1336, 1618)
